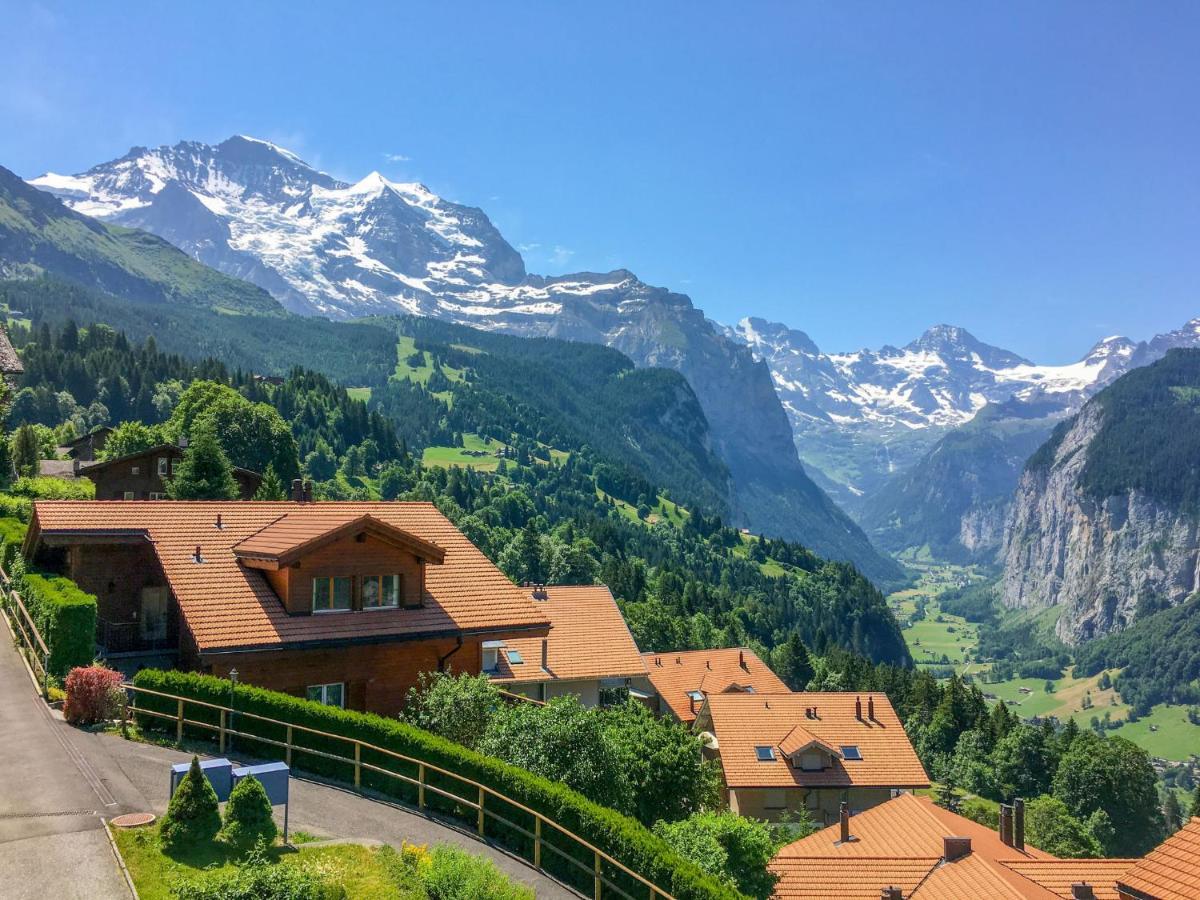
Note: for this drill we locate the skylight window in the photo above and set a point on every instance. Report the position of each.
(851, 752)
(764, 754)
(514, 657)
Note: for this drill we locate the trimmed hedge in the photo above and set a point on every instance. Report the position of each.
(620, 836)
(65, 616)
(12, 536)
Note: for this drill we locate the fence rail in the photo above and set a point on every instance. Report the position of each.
(32, 644)
(224, 730)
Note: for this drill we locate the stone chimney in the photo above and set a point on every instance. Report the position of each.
(871, 708)
(1006, 829)
(844, 823)
(1081, 890)
(955, 848)
(858, 708)
(308, 492)
(297, 490)
(1019, 824)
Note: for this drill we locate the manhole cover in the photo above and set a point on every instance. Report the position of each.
(133, 820)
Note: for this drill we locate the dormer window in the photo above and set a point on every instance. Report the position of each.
(491, 655)
(332, 594)
(380, 591)
(698, 696)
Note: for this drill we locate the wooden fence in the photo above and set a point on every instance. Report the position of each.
(475, 796)
(32, 645)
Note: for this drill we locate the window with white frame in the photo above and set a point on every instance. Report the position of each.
(491, 655)
(129, 495)
(135, 470)
(164, 467)
(380, 591)
(332, 594)
(329, 694)
(157, 495)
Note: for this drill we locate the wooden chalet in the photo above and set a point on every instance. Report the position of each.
(144, 475)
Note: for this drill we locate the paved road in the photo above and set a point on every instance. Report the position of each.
(52, 842)
(57, 781)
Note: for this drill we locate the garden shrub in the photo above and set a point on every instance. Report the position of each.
(20, 508)
(93, 695)
(454, 874)
(623, 837)
(257, 878)
(45, 487)
(248, 818)
(732, 847)
(193, 817)
(66, 618)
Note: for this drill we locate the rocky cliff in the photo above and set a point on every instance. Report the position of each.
(1104, 521)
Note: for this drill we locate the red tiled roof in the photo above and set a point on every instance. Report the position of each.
(1057, 875)
(230, 606)
(710, 672)
(742, 722)
(1172, 870)
(846, 879)
(588, 639)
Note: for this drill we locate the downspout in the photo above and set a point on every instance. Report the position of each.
(442, 659)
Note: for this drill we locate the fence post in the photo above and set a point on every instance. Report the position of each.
(358, 765)
(597, 875)
(179, 722)
(221, 732)
(125, 716)
(45, 676)
(421, 786)
(288, 749)
(480, 825)
(537, 842)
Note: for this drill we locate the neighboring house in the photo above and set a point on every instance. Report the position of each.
(144, 475)
(88, 447)
(340, 602)
(911, 849)
(786, 752)
(683, 680)
(589, 648)
(1169, 872)
(10, 363)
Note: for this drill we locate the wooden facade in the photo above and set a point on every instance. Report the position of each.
(144, 475)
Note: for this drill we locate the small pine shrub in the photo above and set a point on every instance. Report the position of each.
(248, 817)
(454, 874)
(93, 695)
(193, 817)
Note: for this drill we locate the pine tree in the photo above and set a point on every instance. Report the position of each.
(271, 487)
(193, 817)
(1172, 813)
(795, 667)
(204, 473)
(1194, 812)
(248, 815)
(25, 451)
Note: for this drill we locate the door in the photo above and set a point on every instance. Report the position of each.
(154, 614)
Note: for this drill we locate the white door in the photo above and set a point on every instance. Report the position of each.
(154, 614)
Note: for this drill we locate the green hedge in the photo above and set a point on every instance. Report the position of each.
(16, 507)
(620, 836)
(65, 616)
(12, 536)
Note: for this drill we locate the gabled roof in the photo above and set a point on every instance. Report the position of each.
(800, 738)
(172, 450)
(743, 721)
(675, 675)
(1172, 870)
(229, 606)
(290, 538)
(588, 640)
(102, 431)
(901, 843)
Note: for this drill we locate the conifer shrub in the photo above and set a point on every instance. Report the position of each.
(93, 695)
(193, 817)
(248, 818)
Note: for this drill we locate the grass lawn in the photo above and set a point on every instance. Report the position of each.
(358, 869)
(476, 453)
(405, 348)
(938, 634)
(359, 393)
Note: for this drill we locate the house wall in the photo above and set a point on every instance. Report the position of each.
(113, 482)
(377, 676)
(371, 556)
(823, 804)
(116, 574)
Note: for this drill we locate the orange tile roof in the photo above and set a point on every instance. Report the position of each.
(710, 672)
(1172, 870)
(229, 606)
(290, 537)
(901, 843)
(742, 722)
(1057, 875)
(588, 639)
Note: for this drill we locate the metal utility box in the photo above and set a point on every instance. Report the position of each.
(272, 776)
(219, 773)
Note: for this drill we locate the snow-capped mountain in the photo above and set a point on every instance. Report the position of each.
(322, 246)
(862, 416)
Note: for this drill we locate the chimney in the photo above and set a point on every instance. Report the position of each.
(708, 664)
(1019, 824)
(308, 492)
(219, 525)
(844, 823)
(1006, 825)
(1081, 890)
(196, 557)
(858, 708)
(891, 893)
(692, 704)
(871, 708)
(297, 490)
(658, 661)
(955, 848)
(545, 654)
(742, 660)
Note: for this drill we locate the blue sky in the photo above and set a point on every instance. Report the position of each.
(1028, 170)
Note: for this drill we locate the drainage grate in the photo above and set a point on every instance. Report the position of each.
(48, 815)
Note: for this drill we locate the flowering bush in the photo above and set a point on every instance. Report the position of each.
(93, 695)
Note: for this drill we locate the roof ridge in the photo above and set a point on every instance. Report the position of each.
(274, 521)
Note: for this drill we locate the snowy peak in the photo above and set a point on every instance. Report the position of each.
(954, 342)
